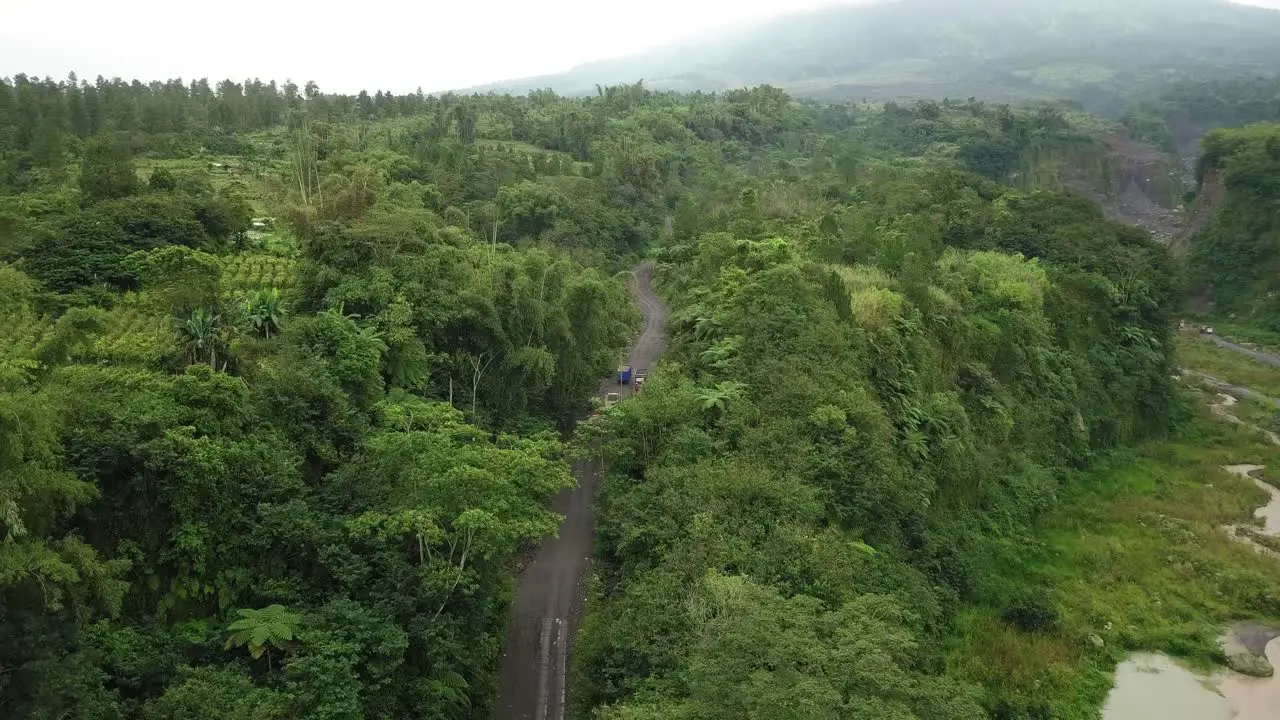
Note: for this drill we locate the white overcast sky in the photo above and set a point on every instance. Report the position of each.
(347, 46)
(396, 45)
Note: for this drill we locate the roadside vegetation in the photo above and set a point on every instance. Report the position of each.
(279, 397)
(862, 392)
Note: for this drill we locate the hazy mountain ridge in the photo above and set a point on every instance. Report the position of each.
(999, 49)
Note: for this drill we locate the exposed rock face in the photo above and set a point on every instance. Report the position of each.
(1135, 183)
(1207, 202)
(1147, 187)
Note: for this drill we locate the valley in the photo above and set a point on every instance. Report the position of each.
(327, 405)
(547, 611)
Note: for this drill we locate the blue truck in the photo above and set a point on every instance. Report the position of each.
(624, 375)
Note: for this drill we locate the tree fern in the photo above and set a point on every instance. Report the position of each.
(260, 630)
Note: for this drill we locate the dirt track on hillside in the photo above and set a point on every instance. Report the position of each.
(549, 602)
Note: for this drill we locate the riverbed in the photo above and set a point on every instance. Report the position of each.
(1269, 514)
(1149, 685)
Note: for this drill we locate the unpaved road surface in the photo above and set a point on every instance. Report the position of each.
(549, 601)
(1262, 357)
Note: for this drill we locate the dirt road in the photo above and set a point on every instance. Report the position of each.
(1262, 357)
(548, 604)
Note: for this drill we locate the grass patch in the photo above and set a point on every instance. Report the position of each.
(1259, 413)
(1133, 558)
(1236, 368)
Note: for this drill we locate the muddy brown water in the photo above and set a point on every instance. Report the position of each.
(1253, 698)
(1150, 686)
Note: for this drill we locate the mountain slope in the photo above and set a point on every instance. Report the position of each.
(1087, 49)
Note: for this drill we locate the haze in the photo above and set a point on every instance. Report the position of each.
(376, 44)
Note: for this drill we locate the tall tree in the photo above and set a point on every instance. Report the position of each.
(106, 170)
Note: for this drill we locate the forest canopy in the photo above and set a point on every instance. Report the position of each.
(286, 377)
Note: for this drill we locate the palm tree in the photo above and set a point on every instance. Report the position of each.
(271, 627)
(373, 335)
(265, 312)
(202, 336)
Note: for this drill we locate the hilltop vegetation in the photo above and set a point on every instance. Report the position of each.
(1193, 108)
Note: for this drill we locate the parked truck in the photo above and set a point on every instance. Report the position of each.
(624, 375)
(642, 374)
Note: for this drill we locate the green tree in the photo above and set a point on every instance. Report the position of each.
(264, 629)
(106, 170)
(161, 180)
(179, 278)
(716, 399)
(756, 654)
(266, 312)
(214, 693)
(82, 250)
(203, 337)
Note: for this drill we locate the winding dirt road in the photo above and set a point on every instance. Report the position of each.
(549, 602)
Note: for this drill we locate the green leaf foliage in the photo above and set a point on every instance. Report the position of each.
(259, 630)
(277, 425)
(1235, 257)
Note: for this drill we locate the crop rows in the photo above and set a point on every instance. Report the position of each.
(251, 272)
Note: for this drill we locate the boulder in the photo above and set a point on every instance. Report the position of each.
(1247, 663)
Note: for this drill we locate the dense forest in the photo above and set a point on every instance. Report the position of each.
(281, 468)
(862, 396)
(286, 379)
